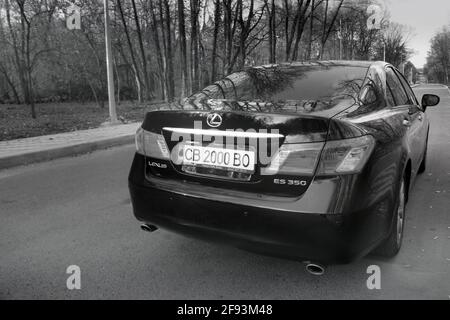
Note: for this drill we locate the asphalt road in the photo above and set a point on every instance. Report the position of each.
(77, 212)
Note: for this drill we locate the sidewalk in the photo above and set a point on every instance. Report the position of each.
(37, 149)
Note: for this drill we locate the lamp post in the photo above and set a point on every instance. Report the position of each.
(109, 66)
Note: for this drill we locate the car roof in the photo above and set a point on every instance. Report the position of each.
(325, 63)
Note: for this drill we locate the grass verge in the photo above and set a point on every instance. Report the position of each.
(16, 121)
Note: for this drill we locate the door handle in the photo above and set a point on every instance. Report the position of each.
(406, 123)
(420, 118)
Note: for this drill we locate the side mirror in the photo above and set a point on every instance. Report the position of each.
(430, 100)
(368, 95)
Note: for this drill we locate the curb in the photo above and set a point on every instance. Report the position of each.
(62, 152)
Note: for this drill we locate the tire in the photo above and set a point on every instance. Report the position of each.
(423, 164)
(391, 246)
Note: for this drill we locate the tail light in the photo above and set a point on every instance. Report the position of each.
(295, 159)
(345, 156)
(151, 145)
(331, 158)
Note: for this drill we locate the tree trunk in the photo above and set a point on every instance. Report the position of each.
(327, 29)
(159, 54)
(195, 7)
(311, 30)
(148, 89)
(19, 63)
(118, 83)
(130, 46)
(26, 56)
(271, 11)
(11, 84)
(164, 17)
(185, 90)
(228, 34)
(170, 76)
(217, 18)
(303, 18)
(292, 29)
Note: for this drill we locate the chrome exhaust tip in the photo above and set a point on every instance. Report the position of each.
(148, 228)
(315, 269)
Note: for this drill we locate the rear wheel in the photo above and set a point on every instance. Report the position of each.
(391, 246)
(423, 164)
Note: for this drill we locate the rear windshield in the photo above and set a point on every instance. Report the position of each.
(318, 86)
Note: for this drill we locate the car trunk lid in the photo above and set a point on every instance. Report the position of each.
(284, 149)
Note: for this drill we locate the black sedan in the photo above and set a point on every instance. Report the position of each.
(310, 161)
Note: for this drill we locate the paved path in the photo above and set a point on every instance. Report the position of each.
(43, 148)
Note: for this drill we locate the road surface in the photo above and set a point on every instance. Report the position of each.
(77, 212)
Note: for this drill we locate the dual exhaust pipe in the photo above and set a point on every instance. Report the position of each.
(313, 268)
(148, 228)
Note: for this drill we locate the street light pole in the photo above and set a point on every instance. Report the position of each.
(109, 66)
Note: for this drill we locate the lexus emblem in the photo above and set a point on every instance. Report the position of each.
(214, 120)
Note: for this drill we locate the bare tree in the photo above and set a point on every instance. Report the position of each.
(396, 37)
(191, 42)
(438, 61)
(328, 25)
(295, 15)
(183, 49)
(311, 31)
(271, 17)
(27, 52)
(217, 23)
(300, 28)
(166, 27)
(247, 25)
(148, 88)
(131, 49)
(195, 68)
(5, 63)
(159, 51)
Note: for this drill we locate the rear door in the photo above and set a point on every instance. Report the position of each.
(412, 118)
(421, 137)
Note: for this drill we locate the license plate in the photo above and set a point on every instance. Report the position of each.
(229, 159)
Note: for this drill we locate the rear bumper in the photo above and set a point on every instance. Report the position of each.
(322, 237)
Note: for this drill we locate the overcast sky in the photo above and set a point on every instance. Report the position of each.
(426, 17)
